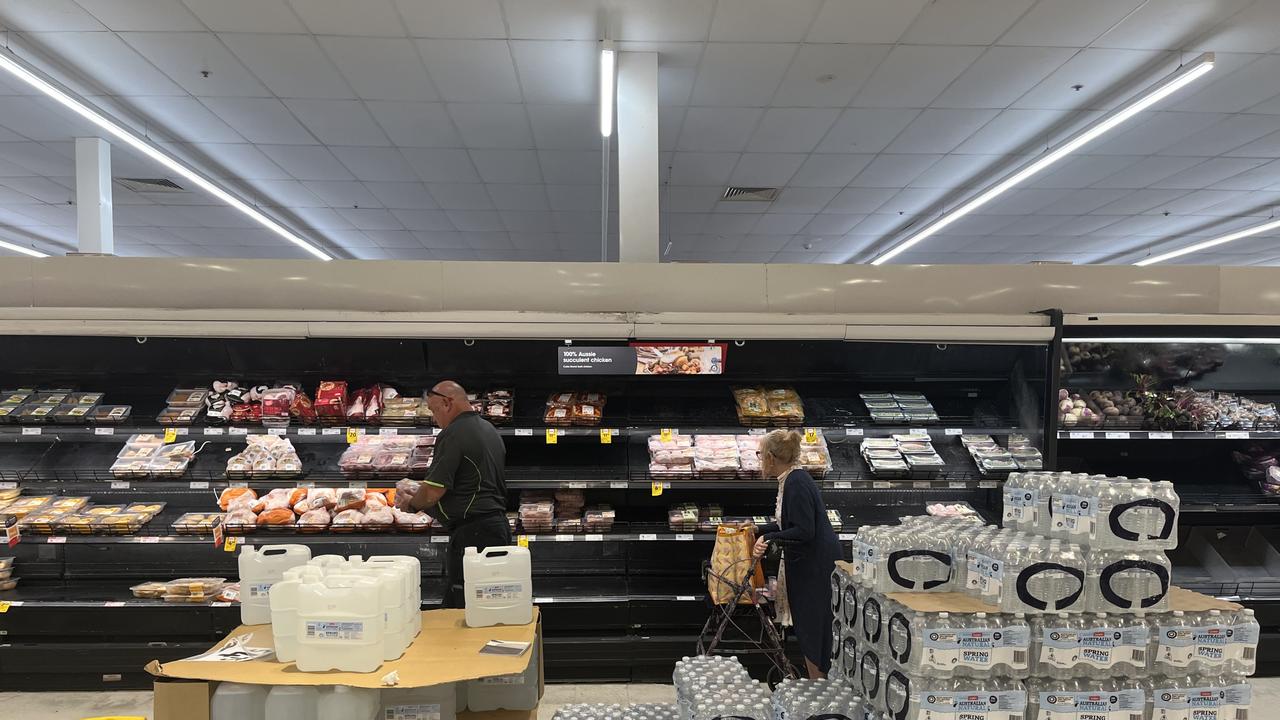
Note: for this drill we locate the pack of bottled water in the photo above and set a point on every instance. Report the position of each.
(1094, 511)
(1207, 643)
(588, 712)
(830, 699)
(930, 698)
(946, 645)
(650, 712)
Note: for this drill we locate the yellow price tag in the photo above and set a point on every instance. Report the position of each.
(606, 437)
(657, 488)
(4, 607)
(666, 434)
(811, 435)
(523, 541)
(170, 435)
(231, 544)
(553, 436)
(353, 436)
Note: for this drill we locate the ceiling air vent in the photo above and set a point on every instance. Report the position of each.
(750, 194)
(151, 185)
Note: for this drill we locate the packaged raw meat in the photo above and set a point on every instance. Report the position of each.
(126, 469)
(135, 451)
(277, 516)
(374, 500)
(302, 409)
(586, 413)
(407, 488)
(183, 450)
(110, 414)
(348, 518)
(391, 463)
(675, 442)
(276, 404)
(331, 401)
(411, 522)
(558, 415)
(240, 518)
(70, 414)
(380, 516)
(297, 496)
(277, 499)
(568, 526)
(317, 519)
(350, 499)
(598, 519)
(150, 589)
(196, 523)
(563, 399)
(178, 416)
(322, 498)
(187, 398)
(123, 523)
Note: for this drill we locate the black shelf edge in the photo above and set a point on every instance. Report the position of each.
(1104, 434)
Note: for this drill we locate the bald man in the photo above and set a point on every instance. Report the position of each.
(466, 487)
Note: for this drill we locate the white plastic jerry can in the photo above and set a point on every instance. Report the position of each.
(234, 701)
(259, 570)
(284, 609)
(413, 601)
(395, 637)
(293, 702)
(342, 702)
(498, 584)
(340, 625)
(435, 702)
(506, 692)
(460, 696)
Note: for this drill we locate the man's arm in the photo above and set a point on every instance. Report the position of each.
(440, 476)
(428, 496)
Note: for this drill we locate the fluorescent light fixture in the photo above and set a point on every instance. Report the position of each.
(23, 250)
(607, 58)
(1177, 340)
(1170, 84)
(20, 70)
(1230, 237)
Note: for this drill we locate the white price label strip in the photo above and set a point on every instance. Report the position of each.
(306, 431)
(57, 540)
(104, 431)
(853, 432)
(1230, 435)
(120, 485)
(918, 484)
(214, 431)
(277, 431)
(524, 432)
(618, 485)
(564, 538)
(648, 536)
(955, 431)
(594, 538)
(686, 598)
(1080, 435)
(881, 485)
(684, 537)
(1117, 435)
(1159, 436)
(842, 485)
(330, 431)
(199, 485)
(389, 431)
(32, 430)
(238, 431)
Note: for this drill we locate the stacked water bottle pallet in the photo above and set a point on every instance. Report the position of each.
(712, 687)
(944, 618)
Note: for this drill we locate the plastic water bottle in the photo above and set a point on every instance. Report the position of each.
(1245, 631)
(1128, 581)
(1175, 643)
(1014, 648)
(1058, 653)
(1212, 638)
(1133, 647)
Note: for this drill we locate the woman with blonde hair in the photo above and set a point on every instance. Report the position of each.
(810, 549)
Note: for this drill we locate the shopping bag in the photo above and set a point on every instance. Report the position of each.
(732, 564)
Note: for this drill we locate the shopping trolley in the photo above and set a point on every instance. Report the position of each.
(746, 604)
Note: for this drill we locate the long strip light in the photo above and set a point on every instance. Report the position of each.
(1172, 83)
(1230, 237)
(20, 70)
(1177, 340)
(23, 250)
(607, 59)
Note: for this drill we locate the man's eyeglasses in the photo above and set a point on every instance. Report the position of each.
(438, 394)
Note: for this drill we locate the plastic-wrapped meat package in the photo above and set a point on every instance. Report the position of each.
(407, 488)
(350, 499)
(391, 463)
(359, 401)
(567, 526)
(275, 406)
(374, 501)
(331, 400)
(357, 460)
(275, 500)
(349, 518)
(683, 518)
(326, 498)
(537, 516)
(675, 456)
(412, 521)
(715, 441)
(240, 517)
(677, 441)
(558, 414)
(598, 519)
(570, 500)
(380, 516)
(587, 413)
(670, 470)
(277, 516)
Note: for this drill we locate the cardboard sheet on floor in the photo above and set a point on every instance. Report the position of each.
(445, 651)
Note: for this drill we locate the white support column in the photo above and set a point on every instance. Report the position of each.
(93, 197)
(638, 157)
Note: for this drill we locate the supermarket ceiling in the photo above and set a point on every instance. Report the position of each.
(468, 129)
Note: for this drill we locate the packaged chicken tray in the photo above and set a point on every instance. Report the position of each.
(196, 523)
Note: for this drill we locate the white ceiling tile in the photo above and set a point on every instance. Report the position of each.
(1014, 130)
(528, 240)
(861, 201)
(687, 198)
(460, 196)
(828, 75)
(829, 170)
(881, 224)
(38, 118)
(402, 195)
(771, 227)
(471, 70)
(913, 75)
(1153, 132)
(393, 238)
(377, 164)
(326, 219)
(552, 19)
(1168, 24)
(260, 120)
(557, 71)
(866, 130)
(184, 119)
(573, 197)
(832, 224)
(864, 21)
(54, 15)
(149, 15)
(268, 16)
(1266, 147)
(519, 197)
(1224, 136)
(41, 189)
(1067, 23)
(1209, 172)
(380, 68)
(452, 19)
(507, 166)
(570, 167)
(476, 220)
(416, 124)
(1196, 201)
(803, 200)
(483, 125)
(1252, 84)
(565, 127)
(1147, 171)
(292, 66)
(960, 171)
(1103, 73)
(694, 168)
(682, 223)
(186, 56)
(1251, 30)
(1254, 203)
(1027, 225)
(894, 171)
(131, 73)
(577, 222)
(965, 22)
(424, 219)
(1001, 76)
(441, 165)
(343, 193)
(376, 18)
(284, 193)
(663, 20)
(307, 162)
(1264, 176)
(1080, 202)
(239, 160)
(718, 129)
(939, 131)
(370, 219)
(338, 122)
(1078, 171)
(487, 240)
(743, 74)
(730, 224)
(762, 20)
(527, 222)
(791, 129)
(766, 169)
(29, 158)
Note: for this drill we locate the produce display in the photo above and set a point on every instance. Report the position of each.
(1167, 362)
(898, 408)
(575, 408)
(311, 510)
(59, 406)
(388, 457)
(761, 406)
(149, 457)
(264, 457)
(1178, 409)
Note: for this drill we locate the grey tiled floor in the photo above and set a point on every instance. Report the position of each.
(78, 705)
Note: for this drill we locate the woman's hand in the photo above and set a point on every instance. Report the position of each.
(762, 546)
